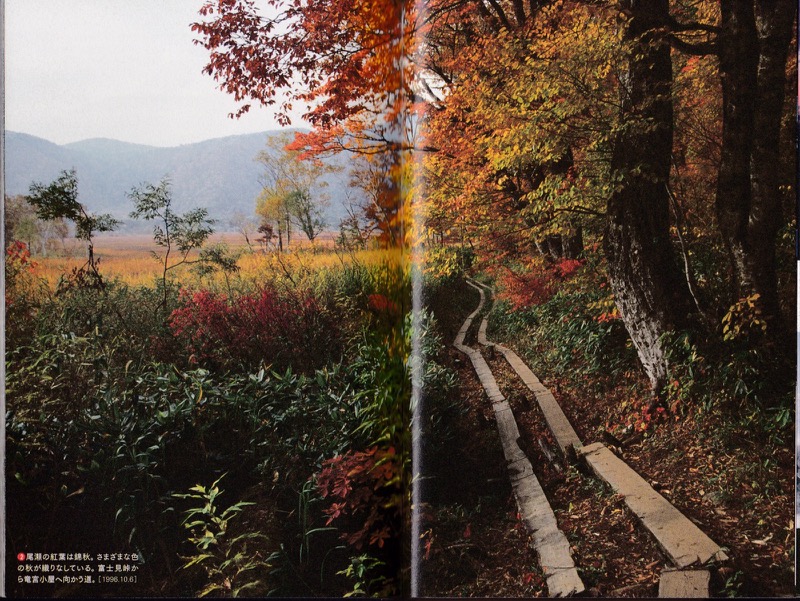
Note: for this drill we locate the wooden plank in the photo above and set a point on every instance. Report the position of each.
(507, 426)
(551, 545)
(482, 332)
(557, 421)
(684, 584)
(462, 333)
(483, 372)
(682, 541)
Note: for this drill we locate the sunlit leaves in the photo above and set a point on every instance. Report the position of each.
(535, 110)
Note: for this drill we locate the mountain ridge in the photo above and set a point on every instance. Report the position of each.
(220, 174)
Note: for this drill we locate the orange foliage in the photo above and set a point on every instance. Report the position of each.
(348, 61)
(519, 135)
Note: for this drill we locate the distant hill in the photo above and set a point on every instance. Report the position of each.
(220, 174)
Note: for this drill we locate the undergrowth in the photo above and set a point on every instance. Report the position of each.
(116, 407)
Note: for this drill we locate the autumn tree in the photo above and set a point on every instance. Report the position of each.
(508, 76)
(21, 223)
(343, 60)
(292, 186)
(59, 200)
(518, 129)
(649, 289)
(273, 211)
(348, 62)
(561, 131)
(753, 43)
(376, 181)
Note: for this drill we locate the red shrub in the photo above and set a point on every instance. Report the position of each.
(367, 495)
(383, 305)
(276, 329)
(537, 284)
(527, 289)
(18, 257)
(566, 267)
(18, 266)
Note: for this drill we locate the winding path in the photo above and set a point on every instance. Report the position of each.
(682, 542)
(552, 547)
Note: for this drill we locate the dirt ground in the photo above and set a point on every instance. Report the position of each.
(475, 545)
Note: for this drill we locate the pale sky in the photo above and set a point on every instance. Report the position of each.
(123, 69)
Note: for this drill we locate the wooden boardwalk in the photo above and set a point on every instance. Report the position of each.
(683, 543)
(558, 424)
(552, 547)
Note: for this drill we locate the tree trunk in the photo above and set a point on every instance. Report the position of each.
(554, 247)
(561, 246)
(648, 287)
(573, 243)
(754, 43)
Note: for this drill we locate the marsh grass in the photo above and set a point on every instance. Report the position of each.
(129, 258)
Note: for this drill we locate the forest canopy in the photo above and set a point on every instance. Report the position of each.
(655, 136)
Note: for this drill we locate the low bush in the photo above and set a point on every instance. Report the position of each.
(571, 335)
(233, 563)
(728, 380)
(270, 328)
(366, 501)
(24, 292)
(347, 286)
(364, 489)
(135, 440)
(118, 312)
(444, 265)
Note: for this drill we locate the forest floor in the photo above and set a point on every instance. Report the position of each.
(739, 494)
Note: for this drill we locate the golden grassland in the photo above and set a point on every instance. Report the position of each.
(130, 259)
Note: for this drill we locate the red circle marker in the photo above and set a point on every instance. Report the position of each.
(21, 556)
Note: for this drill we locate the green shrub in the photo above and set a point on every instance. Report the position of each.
(369, 578)
(231, 568)
(444, 265)
(347, 287)
(132, 440)
(127, 317)
(729, 380)
(564, 337)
